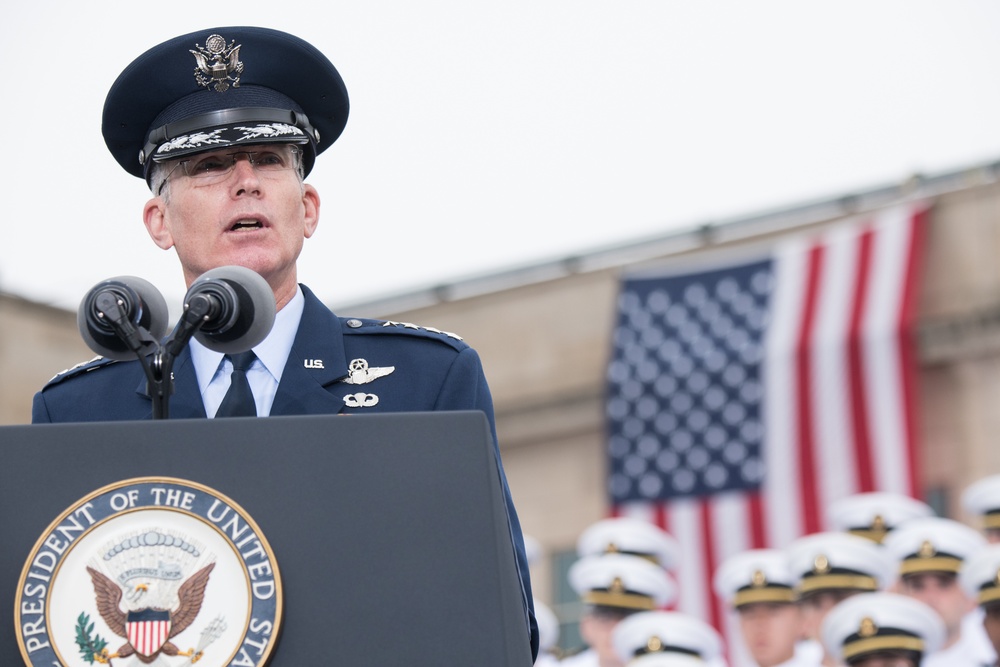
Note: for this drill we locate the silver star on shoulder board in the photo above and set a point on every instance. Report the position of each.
(359, 373)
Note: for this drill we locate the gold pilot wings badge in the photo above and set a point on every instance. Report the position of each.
(358, 372)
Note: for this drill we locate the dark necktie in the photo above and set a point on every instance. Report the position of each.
(238, 401)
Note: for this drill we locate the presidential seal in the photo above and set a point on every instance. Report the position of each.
(150, 571)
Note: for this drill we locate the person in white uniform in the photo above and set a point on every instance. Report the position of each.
(758, 585)
(929, 553)
(882, 630)
(631, 536)
(873, 515)
(829, 568)
(666, 633)
(980, 578)
(982, 499)
(613, 587)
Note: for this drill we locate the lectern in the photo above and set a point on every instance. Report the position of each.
(354, 540)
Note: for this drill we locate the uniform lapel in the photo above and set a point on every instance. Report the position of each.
(317, 360)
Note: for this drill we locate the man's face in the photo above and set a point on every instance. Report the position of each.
(991, 622)
(942, 593)
(885, 660)
(596, 627)
(814, 608)
(251, 216)
(770, 630)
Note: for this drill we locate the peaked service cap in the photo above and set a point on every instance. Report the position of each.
(874, 514)
(221, 87)
(629, 535)
(874, 622)
(932, 544)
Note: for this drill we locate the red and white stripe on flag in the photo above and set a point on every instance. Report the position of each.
(838, 375)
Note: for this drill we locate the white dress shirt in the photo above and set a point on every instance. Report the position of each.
(213, 371)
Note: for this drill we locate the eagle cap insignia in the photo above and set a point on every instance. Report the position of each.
(654, 644)
(218, 63)
(927, 550)
(867, 627)
(758, 580)
(617, 586)
(821, 564)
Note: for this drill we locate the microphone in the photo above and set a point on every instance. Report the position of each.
(238, 307)
(122, 317)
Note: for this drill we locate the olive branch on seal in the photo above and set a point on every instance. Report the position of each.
(90, 646)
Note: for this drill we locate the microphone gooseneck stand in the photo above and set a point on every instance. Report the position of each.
(159, 375)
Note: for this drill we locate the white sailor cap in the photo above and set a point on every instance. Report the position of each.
(758, 575)
(982, 498)
(873, 622)
(874, 514)
(932, 544)
(838, 561)
(622, 582)
(548, 626)
(629, 535)
(670, 632)
(980, 575)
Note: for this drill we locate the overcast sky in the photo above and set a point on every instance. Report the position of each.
(487, 135)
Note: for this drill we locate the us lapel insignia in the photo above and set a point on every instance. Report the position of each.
(361, 400)
(360, 373)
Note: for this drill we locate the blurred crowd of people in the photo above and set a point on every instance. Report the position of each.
(889, 585)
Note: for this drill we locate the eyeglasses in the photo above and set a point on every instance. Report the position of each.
(212, 168)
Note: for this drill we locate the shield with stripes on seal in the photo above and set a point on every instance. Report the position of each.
(147, 630)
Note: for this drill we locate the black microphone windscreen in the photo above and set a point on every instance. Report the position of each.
(242, 312)
(141, 304)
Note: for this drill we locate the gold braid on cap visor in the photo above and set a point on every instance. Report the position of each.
(747, 596)
(857, 647)
(624, 600)
(819, 582)
(916, 564)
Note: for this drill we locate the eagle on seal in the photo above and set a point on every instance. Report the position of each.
(133, 624)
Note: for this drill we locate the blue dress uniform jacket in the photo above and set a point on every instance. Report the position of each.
(432, 371)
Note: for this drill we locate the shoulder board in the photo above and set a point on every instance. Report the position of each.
(83, 367)
(354, 325)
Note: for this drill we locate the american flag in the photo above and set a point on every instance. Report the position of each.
(746, 396)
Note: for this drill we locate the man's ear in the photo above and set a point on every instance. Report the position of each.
(154, 217)
(310, 200)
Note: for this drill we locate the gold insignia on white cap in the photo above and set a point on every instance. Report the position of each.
(621, 581)
(665, 632)
(873, 515)
(872, 623)
(982, 498)
(838, 561)
(932, 544)
(755, 575)
(629, 535)
(980, 575)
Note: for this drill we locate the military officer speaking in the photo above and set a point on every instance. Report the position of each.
(224, 124)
